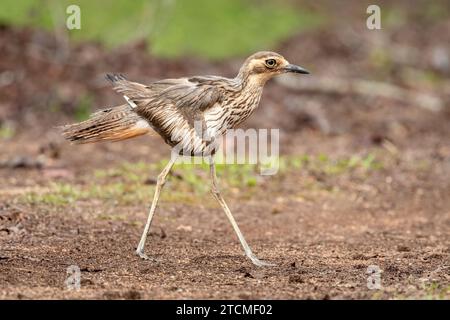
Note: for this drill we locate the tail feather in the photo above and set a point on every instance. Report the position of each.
(131, 90)
(112, 124)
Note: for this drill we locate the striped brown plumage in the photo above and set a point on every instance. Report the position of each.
(189, 113)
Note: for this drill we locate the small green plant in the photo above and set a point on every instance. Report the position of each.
(324, 164)
(7, 131)
(436, 291)
(55, 194)
(83, 109)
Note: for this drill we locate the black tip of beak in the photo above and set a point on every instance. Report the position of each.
(295, 69)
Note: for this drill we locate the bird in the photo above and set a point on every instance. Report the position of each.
(190, 114)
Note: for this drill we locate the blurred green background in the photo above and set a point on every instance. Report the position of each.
(210, 29)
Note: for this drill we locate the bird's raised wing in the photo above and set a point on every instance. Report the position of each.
(195, 94)
(172, 107)
(190, 95)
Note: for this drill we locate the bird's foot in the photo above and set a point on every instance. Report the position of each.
(257, 262)
(143, 256)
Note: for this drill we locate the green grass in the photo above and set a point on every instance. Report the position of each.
(218, 29)
(427, 291)
(83, 109)
(436, 291)
(125, 184)
(57, 194)
(212, 29)
(329, 166)
(192, 176)
(6, 131)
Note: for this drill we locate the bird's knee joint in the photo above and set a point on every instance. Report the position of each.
(215, 191)
(161, 180)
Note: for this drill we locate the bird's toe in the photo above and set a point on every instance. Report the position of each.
(258, 262)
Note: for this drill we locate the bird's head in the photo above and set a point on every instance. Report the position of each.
(264, 65)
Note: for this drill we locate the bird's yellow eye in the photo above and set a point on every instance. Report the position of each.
(270, 63)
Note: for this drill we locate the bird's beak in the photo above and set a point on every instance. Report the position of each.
(295, 69)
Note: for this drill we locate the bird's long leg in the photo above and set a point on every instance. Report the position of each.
(160, 183)
(219, 198)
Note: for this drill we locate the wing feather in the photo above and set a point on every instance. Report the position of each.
(173, 106)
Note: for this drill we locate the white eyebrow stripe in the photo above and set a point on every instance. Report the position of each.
(131, 103)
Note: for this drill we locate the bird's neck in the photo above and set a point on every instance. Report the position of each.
(251, 81)
(250, 91)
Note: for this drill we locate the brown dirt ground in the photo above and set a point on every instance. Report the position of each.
(322, 230)
(321, 239)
